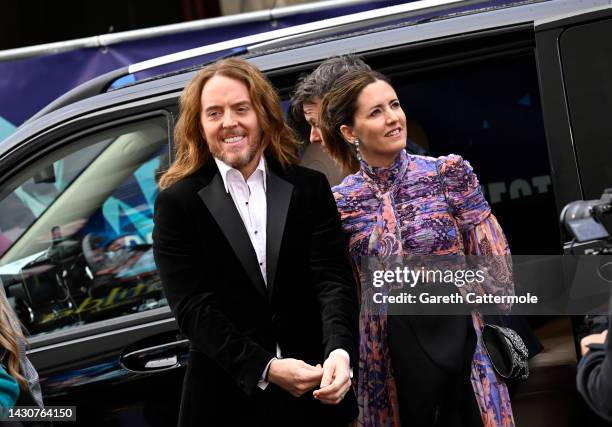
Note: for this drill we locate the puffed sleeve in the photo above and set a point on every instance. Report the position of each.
(481, 233)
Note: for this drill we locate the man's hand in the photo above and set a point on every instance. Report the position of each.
(592, 339)
(336, 380)
(295, 376)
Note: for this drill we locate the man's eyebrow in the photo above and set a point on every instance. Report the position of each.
(235, 104)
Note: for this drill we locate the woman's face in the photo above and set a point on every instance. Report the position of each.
(379, 124)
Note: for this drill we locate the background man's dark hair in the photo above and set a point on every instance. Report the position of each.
(316, 84)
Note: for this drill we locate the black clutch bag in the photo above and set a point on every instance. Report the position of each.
(507, 351)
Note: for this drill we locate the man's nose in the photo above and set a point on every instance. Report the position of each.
(228, 119)
(315, 135)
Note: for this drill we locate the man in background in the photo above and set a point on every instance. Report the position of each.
(305, 106)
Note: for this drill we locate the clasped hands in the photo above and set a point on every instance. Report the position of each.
(298, 377)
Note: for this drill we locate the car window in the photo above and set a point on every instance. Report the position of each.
(490, 113)
(589, 91)
(76, 228)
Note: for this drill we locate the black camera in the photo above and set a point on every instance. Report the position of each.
(590, 220)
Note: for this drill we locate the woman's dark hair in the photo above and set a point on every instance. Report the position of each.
(338, 108)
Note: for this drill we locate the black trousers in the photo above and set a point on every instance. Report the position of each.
(428, 395)
(276, 408)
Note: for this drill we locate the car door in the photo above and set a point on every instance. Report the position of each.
(77, 265)
(577, 62)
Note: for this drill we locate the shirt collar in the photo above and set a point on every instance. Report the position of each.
(224, 169)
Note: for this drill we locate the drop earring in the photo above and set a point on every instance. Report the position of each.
(356, 142)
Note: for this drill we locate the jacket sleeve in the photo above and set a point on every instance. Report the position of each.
(332, 275)
(192, 298)
(594, 379)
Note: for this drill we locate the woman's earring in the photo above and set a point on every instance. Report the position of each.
(356, 142)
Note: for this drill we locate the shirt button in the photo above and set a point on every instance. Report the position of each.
(261, 263)
(255, 231)
(247, 203)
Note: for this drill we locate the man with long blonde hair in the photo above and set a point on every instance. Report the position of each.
(252, 257)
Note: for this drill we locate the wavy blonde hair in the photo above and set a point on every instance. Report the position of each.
(192, 151)
(10, 337)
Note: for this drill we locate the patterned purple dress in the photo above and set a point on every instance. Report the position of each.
(419, 206)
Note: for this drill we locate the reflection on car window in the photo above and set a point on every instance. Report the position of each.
(76, 236)
(29, 200)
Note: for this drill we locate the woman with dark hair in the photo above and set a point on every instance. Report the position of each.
(413, 370)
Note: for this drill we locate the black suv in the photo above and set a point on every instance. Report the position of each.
(523, 91)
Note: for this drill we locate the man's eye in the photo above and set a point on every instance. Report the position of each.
(243, 109)
(212, 114)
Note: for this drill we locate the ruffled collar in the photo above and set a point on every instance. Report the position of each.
(385, 177)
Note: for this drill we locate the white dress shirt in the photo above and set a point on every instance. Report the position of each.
(250, 199)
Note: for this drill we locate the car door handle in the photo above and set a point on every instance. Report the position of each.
(167, 362)
(156, 358)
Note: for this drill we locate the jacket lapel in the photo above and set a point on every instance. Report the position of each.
(278, 196)
(223, 209)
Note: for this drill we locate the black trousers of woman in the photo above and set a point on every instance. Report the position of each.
(431, 394)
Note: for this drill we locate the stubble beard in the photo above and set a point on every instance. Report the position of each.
(237, 160)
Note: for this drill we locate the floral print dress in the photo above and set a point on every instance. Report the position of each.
(419, 206)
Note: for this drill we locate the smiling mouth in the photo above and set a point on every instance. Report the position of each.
(394, 132)
(233, 139)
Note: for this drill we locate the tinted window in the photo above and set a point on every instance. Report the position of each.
(76, 229)
(587, 64)
(490, 113)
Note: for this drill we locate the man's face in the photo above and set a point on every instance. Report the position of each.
(230, 124)
(311, 114)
